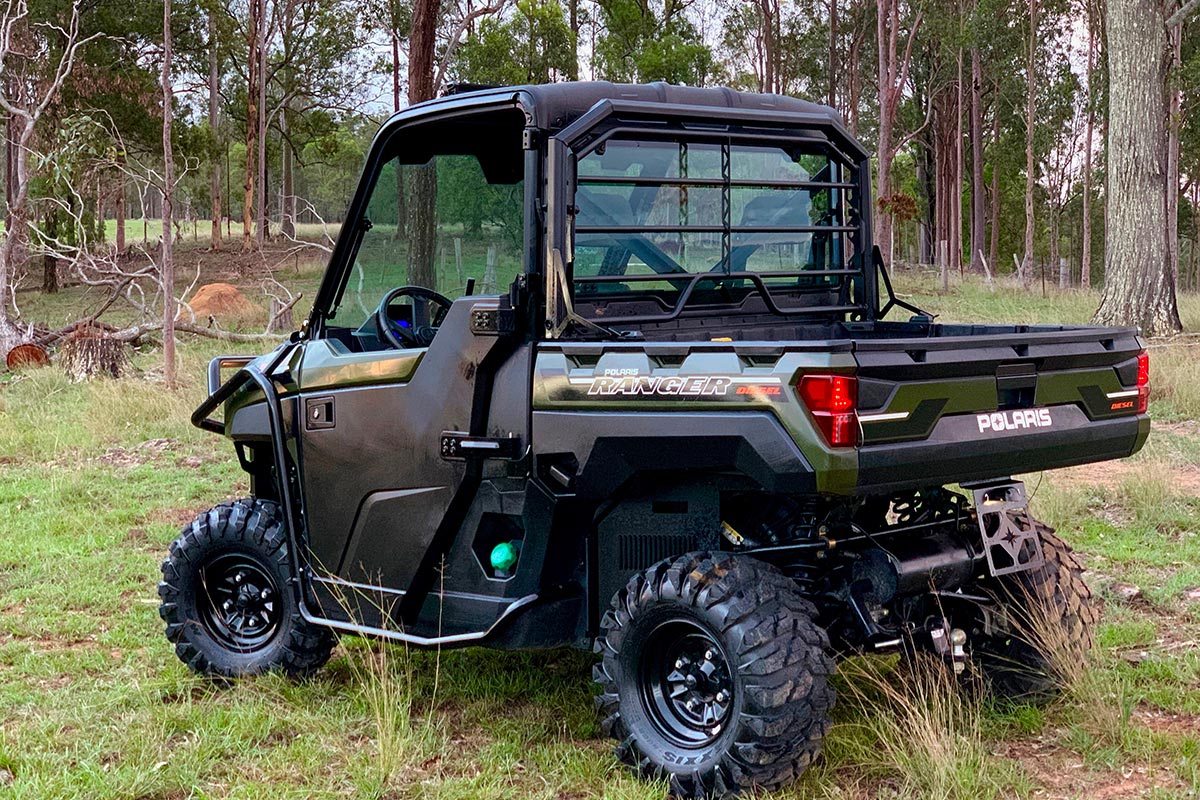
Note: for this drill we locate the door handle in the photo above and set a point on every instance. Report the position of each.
(318, 413)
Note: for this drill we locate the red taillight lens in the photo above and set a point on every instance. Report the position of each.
(1143, 382)
(832, 400)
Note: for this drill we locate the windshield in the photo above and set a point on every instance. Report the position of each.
(653, 214)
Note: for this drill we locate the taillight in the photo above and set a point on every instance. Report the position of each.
(1143, 382)
(832, 399)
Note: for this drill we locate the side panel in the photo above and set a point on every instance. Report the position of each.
(621, 408)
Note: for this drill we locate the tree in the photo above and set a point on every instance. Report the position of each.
(167, 254)
(535, 45)
(254, 43)
(422, 219)
(26, 107)
(1091, 14)
(214, 125)
(893, 77)
(641, 44)
(1026, 266)
(1138, 285)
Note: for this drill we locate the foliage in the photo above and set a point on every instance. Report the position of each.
(534, 45)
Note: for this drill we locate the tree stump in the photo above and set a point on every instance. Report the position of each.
(89, 352)
(280, 316)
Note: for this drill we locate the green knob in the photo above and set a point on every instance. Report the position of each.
(504, 555)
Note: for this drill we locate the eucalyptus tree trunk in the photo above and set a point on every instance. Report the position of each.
(1085, 257)
(1138, 288)
(252, 42)
(168, 256)
(1025, 272)
(1174, 109)
(956, 195)
(422, 211)
(978, 213)
(994, 210)
(287, 203)
(260, 230)
(833, 52)
(214, 124)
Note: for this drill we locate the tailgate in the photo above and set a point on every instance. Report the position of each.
(993, 401)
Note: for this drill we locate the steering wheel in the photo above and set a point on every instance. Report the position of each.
(396, 333)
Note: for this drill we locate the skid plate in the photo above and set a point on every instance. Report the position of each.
(1010, 539)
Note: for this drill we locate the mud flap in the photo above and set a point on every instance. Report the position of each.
(1010, 538)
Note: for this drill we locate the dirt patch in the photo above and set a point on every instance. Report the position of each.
(136, 456)
(1063, 774)
(1108, 475)
(1168, 722)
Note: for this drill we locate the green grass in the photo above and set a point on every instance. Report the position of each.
(97, 478)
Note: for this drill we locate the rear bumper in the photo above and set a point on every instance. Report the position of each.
(958, 451)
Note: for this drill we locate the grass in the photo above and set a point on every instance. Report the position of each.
(97, 478)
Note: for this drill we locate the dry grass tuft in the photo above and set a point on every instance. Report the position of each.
(1083, 689)
(916, 728)
(386, 676)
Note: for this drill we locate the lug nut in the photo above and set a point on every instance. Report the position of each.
(228, 604)
(264, 594)
(722, 696)
(241, 576)
(708, 655)
(679, 663)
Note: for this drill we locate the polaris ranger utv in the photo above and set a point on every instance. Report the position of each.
(624, 380)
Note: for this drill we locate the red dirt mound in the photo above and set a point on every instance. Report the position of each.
(220, 300)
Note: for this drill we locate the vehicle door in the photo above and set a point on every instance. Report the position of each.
(379, 407)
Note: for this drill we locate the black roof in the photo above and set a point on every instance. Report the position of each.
(558, 104)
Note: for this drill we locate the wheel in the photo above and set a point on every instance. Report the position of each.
(714, 675)
(1051, 616)
(227, 597)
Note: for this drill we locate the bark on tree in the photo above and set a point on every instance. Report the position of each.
(121, 200)
(1175, 38)
(260, 230)
(956, 196)
(769, 18)
(287, 211)
(573, 21)
(893, 75)
(1026, 266)
(253, 78)
(833, 52)
(978, 212)
(855, 87)
(1085, 254)
(422, 239)
(401, 207)
(214, 124)
(1138, 287)
(994, 210)
(168, 192)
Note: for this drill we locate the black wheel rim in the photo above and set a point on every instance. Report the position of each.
(687, 686)
(240, 604)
